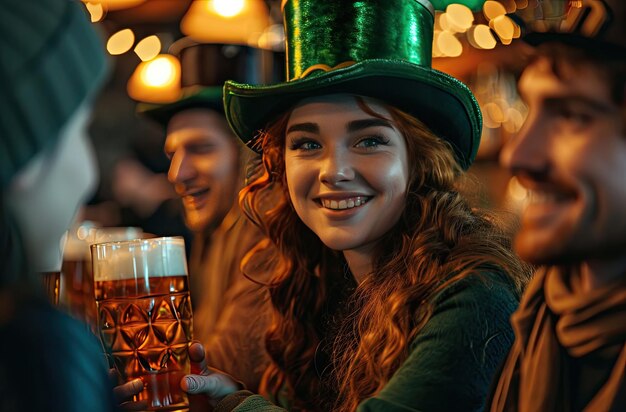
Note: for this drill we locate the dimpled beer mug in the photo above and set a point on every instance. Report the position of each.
(144, 314)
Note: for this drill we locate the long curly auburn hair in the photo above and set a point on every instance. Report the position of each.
(334, 343)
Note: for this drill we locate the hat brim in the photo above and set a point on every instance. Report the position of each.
(209, 97)
(608, 51)
(442, 102)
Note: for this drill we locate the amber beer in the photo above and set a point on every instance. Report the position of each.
(144, 314)
(76, 289)
(51, 283)
(76, 283)
(76, 294)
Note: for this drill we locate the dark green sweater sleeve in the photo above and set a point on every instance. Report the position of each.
(454, 357)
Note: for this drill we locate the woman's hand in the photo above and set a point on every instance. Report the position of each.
(205, 381)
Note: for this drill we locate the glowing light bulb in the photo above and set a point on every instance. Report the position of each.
(156, 81)
(226, 21)
(228, 8)
(158, 72)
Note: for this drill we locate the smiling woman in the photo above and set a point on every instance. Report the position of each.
(388, 273)
(347, 173)
(392, 292)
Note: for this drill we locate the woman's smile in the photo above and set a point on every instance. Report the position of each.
(343, 203)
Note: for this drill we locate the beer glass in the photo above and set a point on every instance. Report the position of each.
(51, 284)
(76, 295)
(76, 283)
(144, 314)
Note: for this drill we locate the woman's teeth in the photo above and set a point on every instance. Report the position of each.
(348, 203)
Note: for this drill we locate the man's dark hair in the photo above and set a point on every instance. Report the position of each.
(614, 70)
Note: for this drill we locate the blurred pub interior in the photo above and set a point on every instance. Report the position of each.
(476, 41)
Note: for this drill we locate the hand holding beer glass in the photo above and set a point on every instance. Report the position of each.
(144, 314)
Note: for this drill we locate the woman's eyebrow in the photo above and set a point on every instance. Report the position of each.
(356, 125)
(304, 127)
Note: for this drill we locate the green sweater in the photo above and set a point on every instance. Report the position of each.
(452, 361)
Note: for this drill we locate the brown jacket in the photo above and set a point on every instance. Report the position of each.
(231, 312)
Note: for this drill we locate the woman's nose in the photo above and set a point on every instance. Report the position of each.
(336, 168)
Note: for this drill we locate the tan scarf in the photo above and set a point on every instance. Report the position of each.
(555, 322)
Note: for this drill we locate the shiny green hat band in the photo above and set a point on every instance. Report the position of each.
(372, 48)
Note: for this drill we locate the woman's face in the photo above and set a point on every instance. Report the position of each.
(347, 171)
(45, 195)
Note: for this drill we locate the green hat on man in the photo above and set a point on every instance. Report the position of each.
(374, 48)
(204, 69)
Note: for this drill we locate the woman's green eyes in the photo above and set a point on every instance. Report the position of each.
(372, 141)
(310, 146)
(304, 144)
(369, 142)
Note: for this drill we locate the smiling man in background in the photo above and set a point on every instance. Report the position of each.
(207, 168)
(570, 349)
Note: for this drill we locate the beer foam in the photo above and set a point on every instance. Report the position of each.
(139, 259)
(76, 246)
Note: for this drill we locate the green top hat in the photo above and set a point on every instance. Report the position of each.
(374, 48)
(204, 69)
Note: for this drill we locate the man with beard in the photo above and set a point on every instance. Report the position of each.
(570, 351)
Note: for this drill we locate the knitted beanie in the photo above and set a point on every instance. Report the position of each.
(51, 60)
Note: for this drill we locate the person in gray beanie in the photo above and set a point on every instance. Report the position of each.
(51, 65)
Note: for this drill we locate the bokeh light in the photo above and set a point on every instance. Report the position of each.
(480, 37)
(96, 11)
(121, 42)
(493, 9)
(148, 48)
(459, 17)
(228, 8)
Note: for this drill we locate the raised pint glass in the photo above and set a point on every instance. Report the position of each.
(144, 314)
